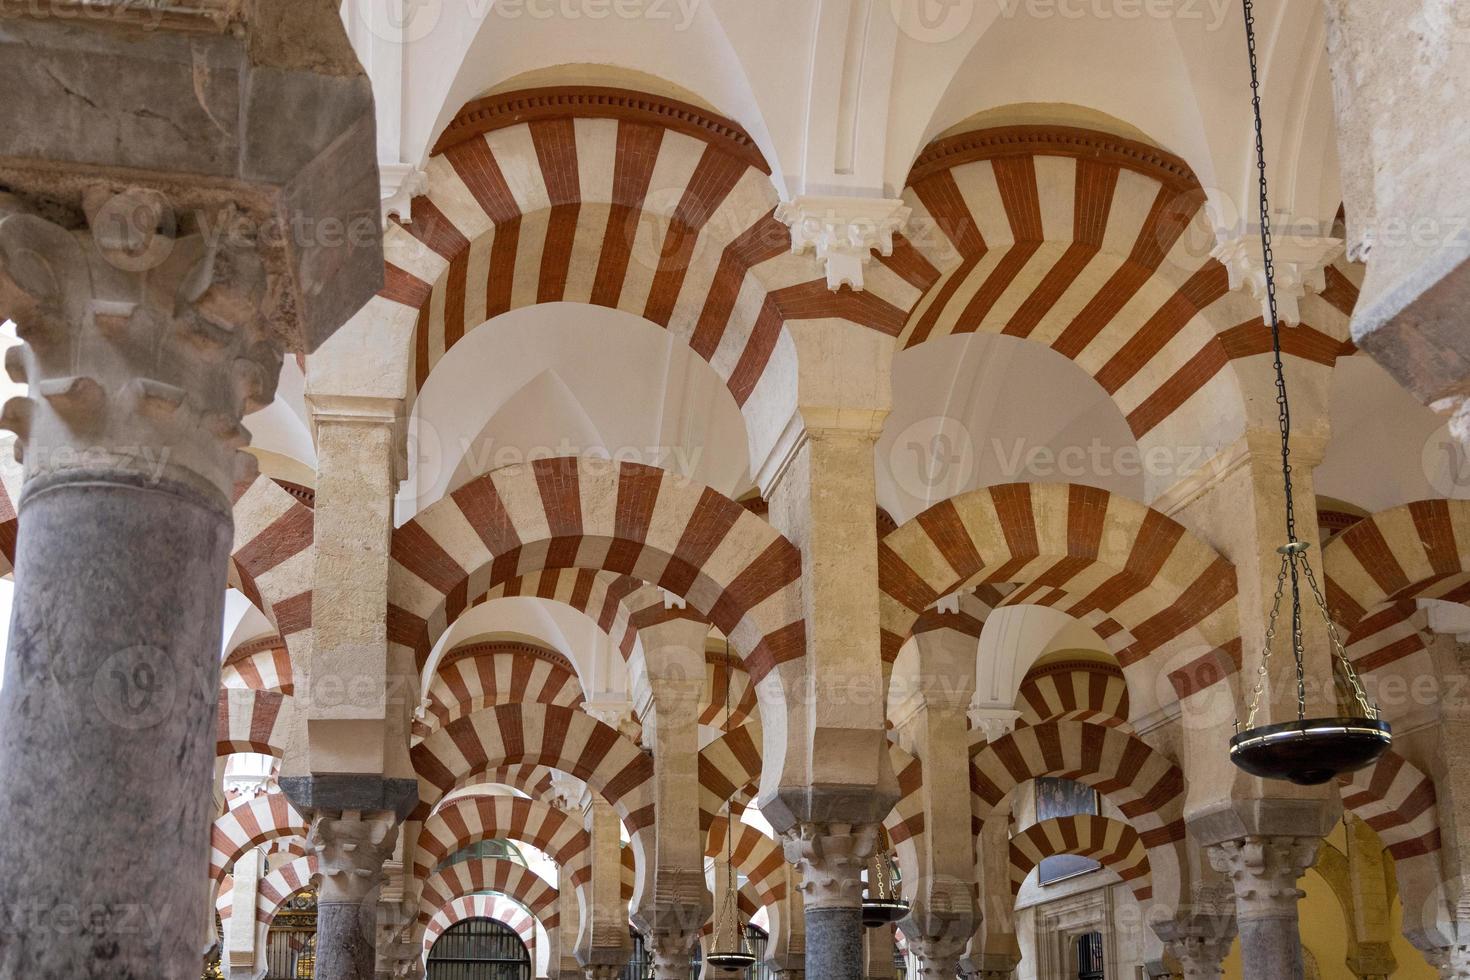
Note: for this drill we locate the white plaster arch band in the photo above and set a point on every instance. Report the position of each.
(1112, 843)
(1134, 576)
(729, 565)
(1099, 247)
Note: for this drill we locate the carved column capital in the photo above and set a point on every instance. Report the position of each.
(1264, 871)
(1201, 957)
(844, 232)
(351, 848)
(1452, 962)
(144, 344)
(831, 858)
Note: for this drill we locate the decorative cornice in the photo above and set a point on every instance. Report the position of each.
(1069, 666)
(1062, 141)
(305, 494)
(596, 102)
(490, 648)
(251, 647)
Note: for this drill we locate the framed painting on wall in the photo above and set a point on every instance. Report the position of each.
(1063, 798)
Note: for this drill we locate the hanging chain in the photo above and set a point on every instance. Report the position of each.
(1294, 553)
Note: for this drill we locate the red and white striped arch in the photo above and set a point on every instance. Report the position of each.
(272, 560)
(726, 766)
(1074, 690)
(483, 675)
(721, 683)
(1398, 801)
(562, 738)
(466, 820)
(1142, 783)
(617, 199)
(253, 721)
(1111, 843)
(754, 855)
(1098, 247)
(1377, 569)
(728, 564)
(1139, 781)
(260, 665)
(1136, 577)
(497, 907)
(250, 824)
(273, 891)
(515, 881)
(601, 596)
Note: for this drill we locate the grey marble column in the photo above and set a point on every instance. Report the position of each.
(351, 848)
(1264, 872)
(831, 858)
(130, 438)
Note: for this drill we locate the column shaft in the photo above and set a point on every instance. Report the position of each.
(1264, 871)
(107, 718)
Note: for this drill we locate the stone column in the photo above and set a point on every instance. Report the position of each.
(786, 942)
(138, 380)
(239, 951)
(154, 318)
(931, 723)
(1402, 182)
(1264, 872)
(831, 859)
(827, 778)
(603, 942)
(564, 964)
(1260, 833)
(1201, 957)
(351, 847)
(993, 951)
(668, 683)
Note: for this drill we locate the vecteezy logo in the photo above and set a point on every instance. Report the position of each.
(135, 688)
(933, 458)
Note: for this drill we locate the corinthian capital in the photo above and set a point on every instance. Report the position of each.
(351, 849)
(1264, 871)
(831, 858)
(143, 345)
